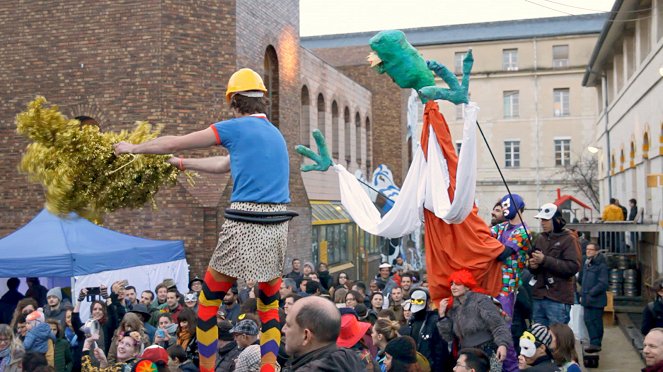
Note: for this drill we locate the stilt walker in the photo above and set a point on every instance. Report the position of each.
(253, 238)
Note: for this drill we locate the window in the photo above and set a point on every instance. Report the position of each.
(334, 141)
(348, 136)
(510, 59)
(511, 104)
(460, 111)
(271, 65)
(358, 153)
(305, 118)
(512, 153)
(458, 146)
(560, 56)
(561, 104)
(562, 151)
(321, 114)
(458, 62)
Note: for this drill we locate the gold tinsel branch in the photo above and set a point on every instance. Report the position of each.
(77, 167)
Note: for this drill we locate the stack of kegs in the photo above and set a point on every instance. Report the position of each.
(616, 282)
(623, 262)
(630, 283)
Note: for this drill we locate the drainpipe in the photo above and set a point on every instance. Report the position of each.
(604, 83)
(537, 147)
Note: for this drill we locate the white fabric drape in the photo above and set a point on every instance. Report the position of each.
(426, 185)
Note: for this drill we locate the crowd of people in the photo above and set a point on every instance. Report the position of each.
(330, 322)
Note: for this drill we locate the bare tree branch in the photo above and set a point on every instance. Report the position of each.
(582, 173)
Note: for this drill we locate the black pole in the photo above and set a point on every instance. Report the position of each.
(529, 239)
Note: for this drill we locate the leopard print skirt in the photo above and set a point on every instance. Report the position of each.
(249, 250)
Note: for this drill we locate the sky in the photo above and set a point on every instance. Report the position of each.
(323, 17)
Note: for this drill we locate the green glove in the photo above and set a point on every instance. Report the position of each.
(456, 93)
(322, 159)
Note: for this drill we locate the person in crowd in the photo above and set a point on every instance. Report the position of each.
(162, 293)
(24, 306)
(382, 332)
(376, 300)
(11, 350)
(191, 301)
(384, 277)
(178, 361)
(325, 277)
(230, 305)
(146, 298)
(75, 337)
(387, 314)
(406, 284)
(128, 348)
(172, 305)
(472, 360)
(360, 287)
(554, 264)
(9, 300)
(196, 284)
(653, 350)
(612, 212)
(652, 314)
(308, 268)
(400, 266)
(288, 301)
(157, 355)
(245, 333)
(339, 297)
(401, 355)
(248, 359)
(36, 291)
(365, 316)
(352, 298)
(342, 281)
(288, 286)
(373, 286)
(186, 334)
(522, 313)
(313, 288)
(396, 303)
(38, 332)
(474, 319)
(302, 286)
(130, 297)
(141, 310)
(35, 362)
(423, 328)
(248, 291)
(563, 346)
(496, 214)
(228, 350)
(355, 335)
(131, 322)
(594, 284)
(166, 335)
(634, 214)
(108, 316)
(311, 330)
(407, 311)
(624, 211)
(295, 274)
(62, 357)
(535, 353)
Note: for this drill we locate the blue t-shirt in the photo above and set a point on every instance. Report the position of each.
(259, 162)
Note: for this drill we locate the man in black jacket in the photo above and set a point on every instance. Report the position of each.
(422, 327)
(594, 281)
(311, 329)
(652, 314)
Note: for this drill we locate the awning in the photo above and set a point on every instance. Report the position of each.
(326, 212)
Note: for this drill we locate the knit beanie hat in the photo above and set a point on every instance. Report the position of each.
(403, 349)
(56, 292)
(541, 333)
(36, 316)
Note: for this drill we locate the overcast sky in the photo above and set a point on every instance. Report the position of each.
(321, 17)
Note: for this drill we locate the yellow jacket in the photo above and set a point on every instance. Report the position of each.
(612, 213)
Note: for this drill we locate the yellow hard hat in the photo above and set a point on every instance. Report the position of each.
(244, 80)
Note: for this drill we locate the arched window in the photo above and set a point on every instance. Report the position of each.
(409, 150)
(335, 133)
(348, 135)
(621, 159)
(369, 147)
(87, 120)
(272, 84)
(358, 135)
(321, 114)
(612, 163)
(632, 155)
(305, 118)
(645, 145)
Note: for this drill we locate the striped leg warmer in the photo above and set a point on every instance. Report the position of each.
(207, 331)
(268, 311)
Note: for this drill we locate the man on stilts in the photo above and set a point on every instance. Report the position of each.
(253, 239)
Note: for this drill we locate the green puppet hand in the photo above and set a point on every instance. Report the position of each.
(456, 93)
(322, 159)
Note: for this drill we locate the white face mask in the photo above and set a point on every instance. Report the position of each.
(527, 345)
(418, 301)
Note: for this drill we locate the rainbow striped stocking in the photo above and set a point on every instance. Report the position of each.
(207, 331)
(268, 311)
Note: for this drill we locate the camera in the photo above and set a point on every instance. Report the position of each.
(160, 333)
(93, 293)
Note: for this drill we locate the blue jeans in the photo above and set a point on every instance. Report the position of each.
(549, 312)
(593, 317)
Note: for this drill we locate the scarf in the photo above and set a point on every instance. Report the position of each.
(4, 358)
(183, 338)
(71, 337)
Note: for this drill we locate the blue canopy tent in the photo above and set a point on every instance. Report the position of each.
(73, 247)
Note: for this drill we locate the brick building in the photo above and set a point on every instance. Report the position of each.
(168, 63)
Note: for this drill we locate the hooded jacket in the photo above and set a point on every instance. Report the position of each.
(37, 338)
(423, 328)
(555, 275)
(326, 359)
(594, 282)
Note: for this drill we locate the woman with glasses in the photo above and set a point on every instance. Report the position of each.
(11, 350)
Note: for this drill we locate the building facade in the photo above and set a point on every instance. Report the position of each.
(526, 78)
(626, 72)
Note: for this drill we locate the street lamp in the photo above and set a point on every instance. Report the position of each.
(593, 149)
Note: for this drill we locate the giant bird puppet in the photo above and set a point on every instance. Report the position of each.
(439, 187)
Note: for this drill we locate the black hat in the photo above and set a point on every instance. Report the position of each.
(362, 311)
(224, 330)
(403, 349)
(195, 279)
(141, 310)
